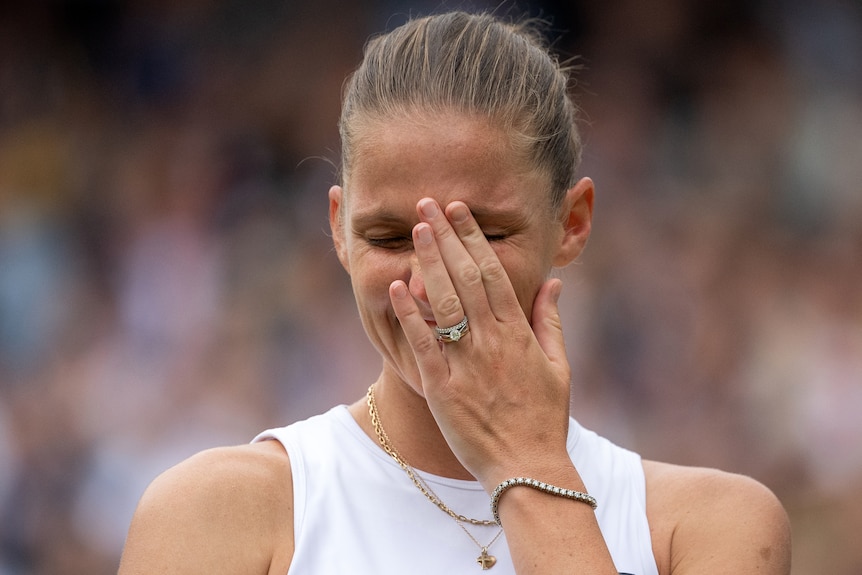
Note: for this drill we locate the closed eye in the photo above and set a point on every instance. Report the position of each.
(390, 242)
(495, 237)
(404, 242)
(496, 233)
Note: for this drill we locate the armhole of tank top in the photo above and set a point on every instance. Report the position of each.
(286, 436)
(298, 478)
(647, 549)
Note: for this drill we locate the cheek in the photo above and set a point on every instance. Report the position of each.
(527, 275)
(372, 275)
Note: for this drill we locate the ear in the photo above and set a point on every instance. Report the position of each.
(336, 224)
(577, 217)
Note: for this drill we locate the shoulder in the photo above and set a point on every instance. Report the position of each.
(709, 521)
(220, 511)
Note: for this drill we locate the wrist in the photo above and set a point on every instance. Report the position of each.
(541, 486)
(556, 470)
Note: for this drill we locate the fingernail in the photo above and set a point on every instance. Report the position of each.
(399, 290)
(429, 208)
(459, 214)
(424, 234)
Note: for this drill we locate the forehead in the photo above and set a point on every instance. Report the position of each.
(448, 157)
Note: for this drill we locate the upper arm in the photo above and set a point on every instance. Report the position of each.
(718, 523)
(226, 510)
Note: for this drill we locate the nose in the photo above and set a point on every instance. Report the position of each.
(416, 285)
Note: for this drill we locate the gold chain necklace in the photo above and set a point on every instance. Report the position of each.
(485, 560)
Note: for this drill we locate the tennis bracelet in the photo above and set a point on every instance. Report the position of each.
(541, 486)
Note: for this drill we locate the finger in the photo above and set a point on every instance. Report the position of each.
(548, 327)
(496, 283)
(453, 281)
(429, 359)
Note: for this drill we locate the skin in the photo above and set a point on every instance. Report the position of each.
(438, 220)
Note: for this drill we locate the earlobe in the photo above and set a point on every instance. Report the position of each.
(577, 218)
(336, 224)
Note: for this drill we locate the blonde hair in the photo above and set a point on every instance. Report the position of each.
(475, 64)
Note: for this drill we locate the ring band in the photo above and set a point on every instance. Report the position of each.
(454, 333)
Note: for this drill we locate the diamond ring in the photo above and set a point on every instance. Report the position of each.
(454, 333)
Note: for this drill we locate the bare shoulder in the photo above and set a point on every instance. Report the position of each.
(710, 521)
(224, 510)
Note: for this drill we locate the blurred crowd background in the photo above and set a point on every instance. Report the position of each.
(167, 282)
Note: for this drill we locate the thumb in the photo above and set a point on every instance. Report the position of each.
(547, 326)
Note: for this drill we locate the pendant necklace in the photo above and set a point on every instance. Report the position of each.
(485, 559)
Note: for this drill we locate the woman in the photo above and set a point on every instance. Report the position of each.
(458, 198)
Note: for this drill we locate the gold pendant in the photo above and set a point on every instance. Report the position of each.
(485, 560)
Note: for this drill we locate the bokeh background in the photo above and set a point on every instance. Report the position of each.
(167, 282)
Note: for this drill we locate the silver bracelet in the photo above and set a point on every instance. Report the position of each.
(541, 486)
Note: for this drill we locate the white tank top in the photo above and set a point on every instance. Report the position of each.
(357, 512)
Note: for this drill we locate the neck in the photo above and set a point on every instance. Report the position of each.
(411, 427)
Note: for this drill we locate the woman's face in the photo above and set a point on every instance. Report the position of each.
(400, 161)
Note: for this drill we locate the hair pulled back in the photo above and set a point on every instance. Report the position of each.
(475, 64)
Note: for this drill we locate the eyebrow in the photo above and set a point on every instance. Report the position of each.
(379, 217)
(508, 218)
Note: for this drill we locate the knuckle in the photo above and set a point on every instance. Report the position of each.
(444, 232)
(474, 234)
(470, 274)
(450, 305)
(493, 270)
(425, 345)
(430, 258)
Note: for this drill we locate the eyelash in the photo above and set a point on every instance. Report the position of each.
(392, 243)
(398, 242)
